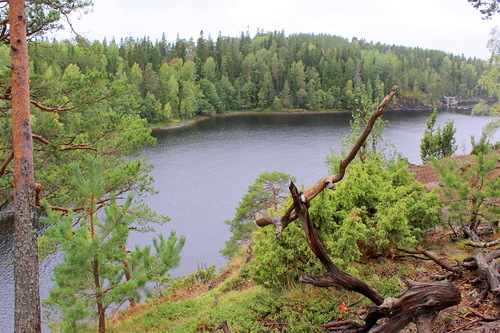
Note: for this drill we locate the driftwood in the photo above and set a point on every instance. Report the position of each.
(420, 303)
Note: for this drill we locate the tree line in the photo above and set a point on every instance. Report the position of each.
(183, 79)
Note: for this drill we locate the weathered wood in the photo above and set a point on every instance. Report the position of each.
(222, 326)
(483, 244)
(432, 256)
(328, 181)
(490, 271)
(335, 275)
(420, 303)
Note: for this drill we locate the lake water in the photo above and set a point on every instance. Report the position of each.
(202, 172)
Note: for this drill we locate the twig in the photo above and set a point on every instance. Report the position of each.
(466, 325)
(432, 257)
(483, 317)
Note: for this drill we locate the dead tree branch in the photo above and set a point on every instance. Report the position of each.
(420, 303)
(490, 271)
(307, 195)
(222, 326)
(434, 258)
(483, 244)
(335, 276)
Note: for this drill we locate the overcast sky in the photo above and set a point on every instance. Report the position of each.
(450, 25)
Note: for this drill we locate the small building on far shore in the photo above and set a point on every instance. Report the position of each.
(449, 101)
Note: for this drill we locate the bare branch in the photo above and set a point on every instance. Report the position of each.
(335, 275)
(489, 271)
(483, 244)
(432, 257)
(328, 181)
(6, 163)
(483, 317)
(222, 326)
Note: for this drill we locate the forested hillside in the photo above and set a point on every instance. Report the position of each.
(163, 80)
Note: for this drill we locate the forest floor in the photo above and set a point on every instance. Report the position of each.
(200, 305)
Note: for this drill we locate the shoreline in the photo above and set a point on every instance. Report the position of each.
(238, 113)
(190, 122)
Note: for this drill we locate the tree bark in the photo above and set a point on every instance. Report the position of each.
(27, 303)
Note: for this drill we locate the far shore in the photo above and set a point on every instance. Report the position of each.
(181, 123)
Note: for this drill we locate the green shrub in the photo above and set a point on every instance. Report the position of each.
(374, 209)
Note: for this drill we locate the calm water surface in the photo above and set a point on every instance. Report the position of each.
(202, 171)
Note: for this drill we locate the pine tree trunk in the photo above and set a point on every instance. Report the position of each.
(101, 310)
(27, 303)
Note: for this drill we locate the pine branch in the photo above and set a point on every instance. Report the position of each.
(72, 147)
(62, 107)
(6, 163)
(58, 108)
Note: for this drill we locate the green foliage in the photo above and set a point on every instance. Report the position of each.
(96, 270)
(469, 189)
(374, 209)
(489, 80)
(266, 194)
(488, 8)
(94, 127)
(279, 261)
(138, 76)
(43, 16)
(438, 143)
